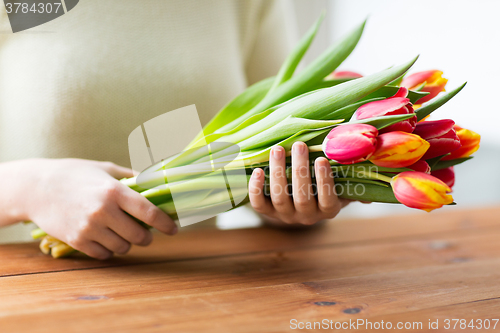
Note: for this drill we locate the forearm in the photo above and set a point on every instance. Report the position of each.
(15, 190)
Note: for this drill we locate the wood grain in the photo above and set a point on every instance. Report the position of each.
(27, 259)
(396, 269)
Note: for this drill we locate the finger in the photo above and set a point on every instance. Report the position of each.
(116, 171)
(345, 202)
(129, 229)
(328, 202)
(141, 208)
(256, 195)
(282, 202)
(111, 241)
(93, 249)
(303, 196)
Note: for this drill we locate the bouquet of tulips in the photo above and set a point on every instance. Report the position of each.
(373, 129)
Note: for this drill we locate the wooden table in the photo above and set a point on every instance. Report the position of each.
(435, 266)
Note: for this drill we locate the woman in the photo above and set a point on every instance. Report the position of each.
(78, 85)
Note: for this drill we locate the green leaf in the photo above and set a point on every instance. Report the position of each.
(238, 106)
(262, 155)
(292, 60)
(310, 76)
(446, 164)
(283, 130)
(359, 180)
(320, 103)
(389, 91)
(383, 121)
(329, 83)
(436, 102)
(347, 111)
(365, 192)
(397, 82)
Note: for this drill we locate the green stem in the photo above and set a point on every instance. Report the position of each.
(38, 233)
(374, 175)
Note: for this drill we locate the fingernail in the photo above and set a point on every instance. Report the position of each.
(277, 153)
(174, 231)
(299, 148)
(256, 173)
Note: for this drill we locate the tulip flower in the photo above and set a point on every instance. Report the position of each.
(397, 104)
(343, 75)
(433, 80)
(470, 143)
(421, 166)
(419, 190)
(398, 149)
(440, 134)
(446, 175)
(350, 143)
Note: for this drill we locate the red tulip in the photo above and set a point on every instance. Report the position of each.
(446, 175)
(398, 149)
(421, 166)
(433, 80)
(470, 143)
(397, 104)
(350, 143)
(440, 134)
(343, 75)
(419, 190)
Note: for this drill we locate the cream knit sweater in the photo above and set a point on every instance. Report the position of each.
(78, 85)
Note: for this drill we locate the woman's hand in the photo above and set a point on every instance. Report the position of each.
(83, 204)
(303, 208)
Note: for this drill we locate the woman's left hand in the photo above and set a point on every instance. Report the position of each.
(303, 207)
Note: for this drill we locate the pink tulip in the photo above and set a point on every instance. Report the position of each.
(343, 75)
(433, 82)
(446, 175)
(397, 104)
(440, 134)
(350, 143)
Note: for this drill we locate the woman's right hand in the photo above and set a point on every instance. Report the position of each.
(81, 203)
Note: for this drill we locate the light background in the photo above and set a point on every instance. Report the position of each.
(459, 37)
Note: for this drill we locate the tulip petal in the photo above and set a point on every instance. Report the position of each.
(416, 79)
(398, 149)
(419, 190)
(350, 143)
(402, 92)
(343, 75)
(440, 134)
(381, 108)
(446, 175)
(432, 80)
(470, 144)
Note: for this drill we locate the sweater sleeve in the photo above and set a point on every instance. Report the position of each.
(276, 34)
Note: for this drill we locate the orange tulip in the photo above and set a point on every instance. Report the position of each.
(398, 149)
(470, 143)
(419, 190)
(433, 80)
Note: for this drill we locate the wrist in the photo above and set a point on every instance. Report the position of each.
(17, 189)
